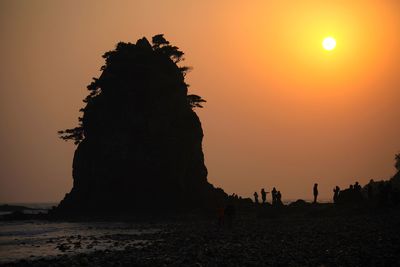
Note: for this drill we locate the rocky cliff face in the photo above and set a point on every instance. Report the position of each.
(395, 180)
(139, 140)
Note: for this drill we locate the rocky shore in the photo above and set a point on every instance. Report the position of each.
(282, 239)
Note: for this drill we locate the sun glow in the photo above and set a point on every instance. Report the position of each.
(329, 43)
(276, 46)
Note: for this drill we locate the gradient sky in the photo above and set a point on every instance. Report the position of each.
(281, 111)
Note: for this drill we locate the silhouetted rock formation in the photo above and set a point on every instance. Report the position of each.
(139, 140)
(350, 196)
(300, 203)
(395, 180)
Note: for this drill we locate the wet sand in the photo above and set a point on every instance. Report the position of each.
(309, 239)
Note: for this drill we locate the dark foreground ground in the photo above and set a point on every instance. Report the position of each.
(313, 237)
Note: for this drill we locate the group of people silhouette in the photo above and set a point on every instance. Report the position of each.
(276, 197)
(353, 194)
(378, 193)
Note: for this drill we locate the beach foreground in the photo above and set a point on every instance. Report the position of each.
(310, 239)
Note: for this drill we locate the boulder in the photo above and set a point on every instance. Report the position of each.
(139, 140)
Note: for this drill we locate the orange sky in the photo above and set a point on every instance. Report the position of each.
(281, 111)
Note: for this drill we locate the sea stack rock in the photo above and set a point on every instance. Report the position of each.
(139, 141)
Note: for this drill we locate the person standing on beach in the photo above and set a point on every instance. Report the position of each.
(315, 191)
(274, 196)
(336, 192)
(357, 187)
(279, 198)
(263, 196)
(256, 197)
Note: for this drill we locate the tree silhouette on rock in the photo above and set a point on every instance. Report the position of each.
(139, 141)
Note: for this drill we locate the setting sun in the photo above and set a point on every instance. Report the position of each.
(329, 43)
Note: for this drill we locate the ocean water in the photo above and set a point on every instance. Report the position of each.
(37, 239)
(35, 208)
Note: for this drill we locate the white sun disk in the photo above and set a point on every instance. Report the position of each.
(329, 43)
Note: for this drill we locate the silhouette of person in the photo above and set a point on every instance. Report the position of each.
(256, 197)
(315, 192)
(263, 196)
(357, 187)
(274, 192)
(279, 198)
(336, 192)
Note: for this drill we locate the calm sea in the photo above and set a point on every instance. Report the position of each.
(38, 239)
(38, 207)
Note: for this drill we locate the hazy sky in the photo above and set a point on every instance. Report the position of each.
(281, 111)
